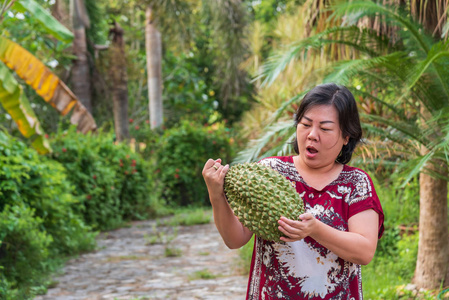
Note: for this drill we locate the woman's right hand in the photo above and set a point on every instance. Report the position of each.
(234, 234)
(214, 173)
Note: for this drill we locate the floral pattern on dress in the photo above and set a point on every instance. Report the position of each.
(305, 269)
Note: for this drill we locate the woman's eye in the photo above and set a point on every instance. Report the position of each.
(305, 125)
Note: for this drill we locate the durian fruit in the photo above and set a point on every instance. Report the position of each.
(259, 196)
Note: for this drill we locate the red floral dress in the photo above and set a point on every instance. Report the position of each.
(305, 269)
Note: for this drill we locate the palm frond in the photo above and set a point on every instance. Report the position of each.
(388, 134)
(287, 104)
(253, 151)
(399, 112)
(344, 71)
(415, 166)
(363, 40)
(411, 131)
(359, 9)
(438, 51)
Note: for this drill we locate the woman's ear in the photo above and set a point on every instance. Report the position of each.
(346, 140)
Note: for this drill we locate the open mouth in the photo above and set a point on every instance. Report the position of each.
(311, 150)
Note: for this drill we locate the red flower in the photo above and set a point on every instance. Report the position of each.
(88, 197)
(147, 121)
(131, 121)
(94, 177)
(137, 127)
(126, 172)
(64, 150)
(177, 170)
(121, 164)
(176, 175)
(46, 136)
(133, 162)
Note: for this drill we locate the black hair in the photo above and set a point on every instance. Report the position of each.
(348, 116)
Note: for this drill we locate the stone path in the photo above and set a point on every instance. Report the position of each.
(145, 261)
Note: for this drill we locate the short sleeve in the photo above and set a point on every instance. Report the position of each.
(364, 197)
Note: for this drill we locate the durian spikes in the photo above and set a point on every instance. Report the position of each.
(259, 196)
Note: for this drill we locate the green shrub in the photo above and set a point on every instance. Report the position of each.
(24, 246)
(388, 272)
(180, 158)
(39, 183)
(112, 183)
(245, 256)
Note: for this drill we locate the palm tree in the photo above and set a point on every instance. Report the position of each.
(413, 71)
(81, 82)
(153, 45)
(119, 80)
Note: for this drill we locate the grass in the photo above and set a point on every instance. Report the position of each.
(172, 251)
(188, 217)
(202, 274)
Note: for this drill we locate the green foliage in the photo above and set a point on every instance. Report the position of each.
(187, 91)
(24, 246)
(384, 276)
(202, 274)
(41, 184)
(112, 183)
(268, 10)
(182, 153)
(189, 216)
(245, 255)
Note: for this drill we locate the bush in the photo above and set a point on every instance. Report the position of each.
(24, 246)
(180, 158)
(111, 182)
(39, 183)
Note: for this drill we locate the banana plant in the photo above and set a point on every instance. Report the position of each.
(40, 78)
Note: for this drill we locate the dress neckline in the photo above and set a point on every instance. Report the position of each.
(324, 189)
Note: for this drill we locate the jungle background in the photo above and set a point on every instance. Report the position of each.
(111, 108)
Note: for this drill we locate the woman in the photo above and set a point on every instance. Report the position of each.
(321, 253)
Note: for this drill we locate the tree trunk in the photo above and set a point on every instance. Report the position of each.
(154, 69)
(432, 266)
(119, 80)
(81, 71)
(431, 14)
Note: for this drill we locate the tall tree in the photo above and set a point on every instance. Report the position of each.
(80, 79)
(153, 45)
(119, 78)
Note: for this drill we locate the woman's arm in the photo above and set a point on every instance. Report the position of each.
(234, 234)
(357, 245)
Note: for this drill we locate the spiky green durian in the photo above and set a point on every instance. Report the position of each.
(259, 196)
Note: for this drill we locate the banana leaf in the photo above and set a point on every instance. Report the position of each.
(18, 107)
(50, 24)
(45, 83)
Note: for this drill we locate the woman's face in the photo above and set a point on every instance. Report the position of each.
(319, 136)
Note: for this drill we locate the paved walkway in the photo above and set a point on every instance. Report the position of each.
(145, 261)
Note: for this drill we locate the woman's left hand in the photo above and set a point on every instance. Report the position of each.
(297, 230)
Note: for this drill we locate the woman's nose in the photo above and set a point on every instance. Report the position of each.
(313, 134)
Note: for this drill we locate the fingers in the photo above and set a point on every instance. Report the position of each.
(291, 229)
(212, 164)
